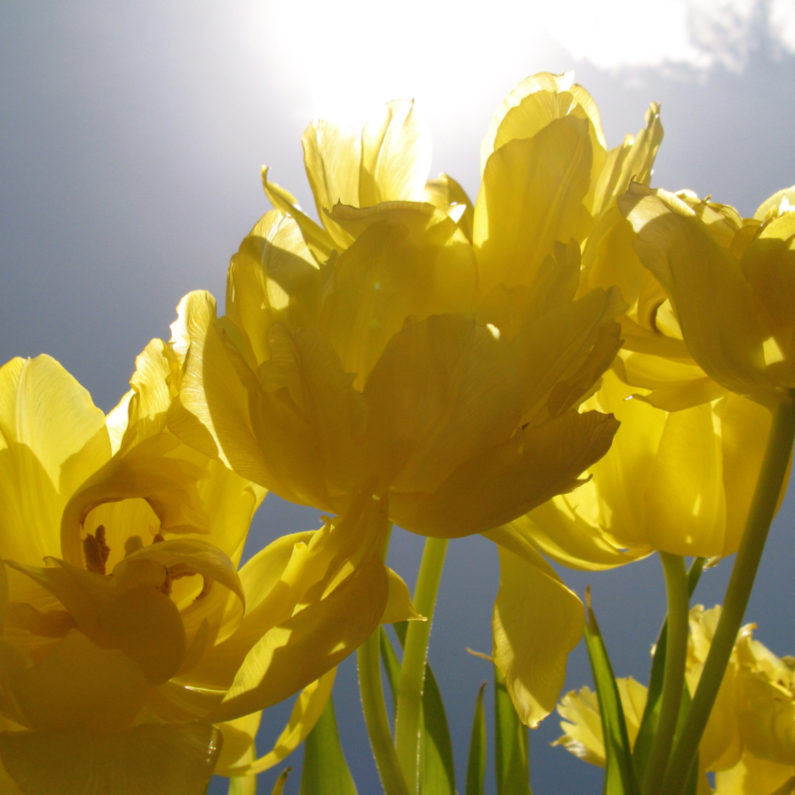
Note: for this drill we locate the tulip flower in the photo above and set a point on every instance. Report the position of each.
(729, 281)
(417, 348)
(748, 742)
(130, 642)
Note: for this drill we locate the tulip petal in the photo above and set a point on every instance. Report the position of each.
(78, 685)
(443, 390)
(396, 156)
(537, 622)
(399, 606)
(305, 714)
(531, 196)
(144, 760)
(718, 313)
(510, 479)
(52, 438)
(307, 645)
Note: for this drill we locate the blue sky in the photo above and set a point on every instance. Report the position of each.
(131, 140)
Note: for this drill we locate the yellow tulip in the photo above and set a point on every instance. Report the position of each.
(729, 281)
(127, 631)
(749, 741)
(424, 350)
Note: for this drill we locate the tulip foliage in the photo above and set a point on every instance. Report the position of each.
(580, 367)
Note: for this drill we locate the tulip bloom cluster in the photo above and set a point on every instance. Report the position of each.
(575, 365)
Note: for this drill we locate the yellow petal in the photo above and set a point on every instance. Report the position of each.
(145, 760)
(78, 685)
(52, 438)
(213, 410)
(332, 159)
(310, 643)
(632, 160)
(446, 194)
(272, 277)
(399, 606)
(444, 390)
(238, 748)
(317, 238)
(533, 104)
(305, 714)
(508, 480)
(408, 262)
(531, 196)
(537, 622)
(752, 776)
(396, 156)
(718, 313)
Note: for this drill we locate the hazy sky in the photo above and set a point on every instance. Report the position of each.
(131, 140)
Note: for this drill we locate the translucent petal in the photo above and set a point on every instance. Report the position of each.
(537, 621)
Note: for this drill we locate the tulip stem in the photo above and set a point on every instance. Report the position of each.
(760, 516)
(674, 676)
(412, 674)
(376, 718)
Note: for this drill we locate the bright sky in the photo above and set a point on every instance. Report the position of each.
(358, 53)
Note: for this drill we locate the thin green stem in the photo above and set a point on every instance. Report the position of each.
(674, 676)
(376, 717)
(763, 507)
(412, 674)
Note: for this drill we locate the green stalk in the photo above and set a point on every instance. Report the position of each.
(376, 717)
(674, 676)
(763, 506)
(407, 718)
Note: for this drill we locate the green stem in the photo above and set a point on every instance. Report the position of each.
(407, 718)
(763, 507)
(674, 676)
(376, 717)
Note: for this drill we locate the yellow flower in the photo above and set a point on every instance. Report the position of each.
(424, 350)
(730, 282)
(127, 632)
(675, 481)
(749, 741)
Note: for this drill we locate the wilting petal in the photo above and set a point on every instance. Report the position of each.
(510, 479)
(305, 714)
(144, 760)
(531, 196)
(537, 622)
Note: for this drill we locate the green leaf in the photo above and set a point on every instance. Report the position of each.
(619, 772)
(437, 769)
(476, 763)
(325, 768)
(511, 744)
(648, 724)
(278, 787)
(392, 667)
(437, 772)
